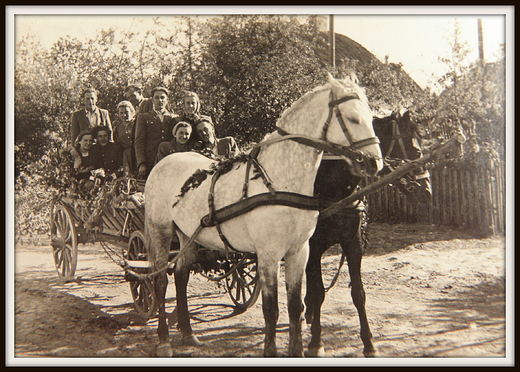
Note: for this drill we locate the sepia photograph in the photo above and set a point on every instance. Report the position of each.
(315, 186)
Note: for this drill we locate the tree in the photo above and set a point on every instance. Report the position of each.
(472, 101)
(254, 67)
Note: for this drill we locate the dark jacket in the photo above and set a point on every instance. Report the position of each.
(167, 148)
(79, 122)
(149, 133)
(110, 156)
(146, 105)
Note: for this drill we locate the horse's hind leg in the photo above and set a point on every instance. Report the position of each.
(354, 253)
(315, 295)
(187, 257)
(294, 268)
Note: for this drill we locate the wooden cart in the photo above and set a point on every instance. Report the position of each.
(115, 218)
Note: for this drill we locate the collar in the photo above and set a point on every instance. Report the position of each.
(96, 110)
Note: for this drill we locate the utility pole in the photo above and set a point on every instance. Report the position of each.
(480, 43)
(332, 43)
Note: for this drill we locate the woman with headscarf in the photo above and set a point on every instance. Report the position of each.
(181, 136)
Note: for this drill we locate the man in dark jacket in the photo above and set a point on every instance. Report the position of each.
(109, 155)
(90, 116)
(151, 129)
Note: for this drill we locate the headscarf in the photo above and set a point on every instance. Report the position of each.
(179, 125)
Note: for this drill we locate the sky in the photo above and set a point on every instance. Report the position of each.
(416, 37)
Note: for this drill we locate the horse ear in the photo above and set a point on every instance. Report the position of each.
(330, 78)
(353, 77)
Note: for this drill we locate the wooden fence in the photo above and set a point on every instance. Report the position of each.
(472, 198)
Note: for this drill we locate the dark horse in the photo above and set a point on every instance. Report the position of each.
(398, 137)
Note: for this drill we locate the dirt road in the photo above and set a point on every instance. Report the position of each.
(431, 293)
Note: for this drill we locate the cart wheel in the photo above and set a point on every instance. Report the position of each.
(243, 285)
(143, 290)
(64, 241)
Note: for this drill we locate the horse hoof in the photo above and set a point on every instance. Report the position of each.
(164, 351)
(191, 341)
(316, 352)
(370, 353)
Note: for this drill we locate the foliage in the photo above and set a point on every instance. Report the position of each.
(472, 101)
(37, 186)
(253, 67)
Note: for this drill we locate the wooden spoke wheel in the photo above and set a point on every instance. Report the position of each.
(142, 290)
(242, 284)
(64, 241)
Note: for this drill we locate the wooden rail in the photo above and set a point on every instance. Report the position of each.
(397, 173)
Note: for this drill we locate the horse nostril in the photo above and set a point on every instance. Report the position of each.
(371, 165)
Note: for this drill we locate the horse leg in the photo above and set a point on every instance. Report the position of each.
(164, 349)
(268, 270)
(159, 240)
(315, 296)
(294, 268)
(354, 253)
(182, 276)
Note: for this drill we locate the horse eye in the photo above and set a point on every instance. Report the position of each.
(353, 120)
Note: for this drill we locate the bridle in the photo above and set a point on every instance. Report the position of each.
(333, 108)
(350, 151)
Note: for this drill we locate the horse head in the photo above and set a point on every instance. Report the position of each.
(400, 141)
(341, 110)
(349, 110)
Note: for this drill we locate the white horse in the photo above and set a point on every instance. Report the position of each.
(273, 232)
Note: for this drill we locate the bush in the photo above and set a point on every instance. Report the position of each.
(36, 187)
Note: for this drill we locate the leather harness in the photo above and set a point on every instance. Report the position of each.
(247, 203)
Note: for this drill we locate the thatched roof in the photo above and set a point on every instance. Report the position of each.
(346, 48)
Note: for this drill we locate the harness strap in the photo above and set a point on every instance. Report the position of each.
(320, 144)
(225, 241)
(243, 206)
(397, 136)
(245, 187)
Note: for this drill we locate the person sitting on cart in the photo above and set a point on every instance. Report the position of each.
(191, 113)
(108, 154)
(124, 135)
(84, 160)
(151, 129)
(180, 143)
(210, 145)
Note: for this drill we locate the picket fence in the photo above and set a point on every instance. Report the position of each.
(469, 198)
